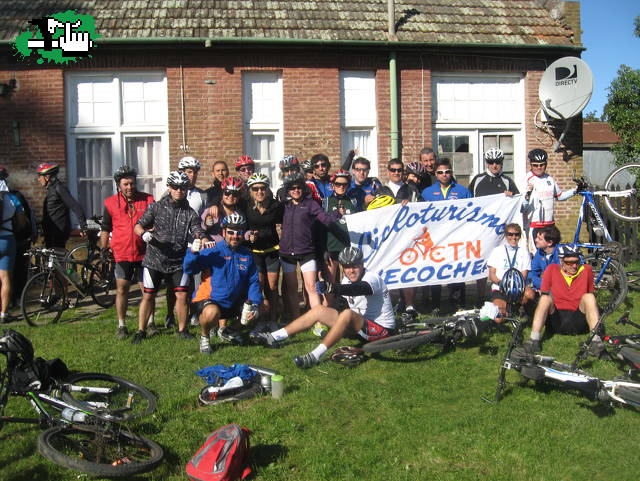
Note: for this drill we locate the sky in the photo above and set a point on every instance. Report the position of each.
(607, 33)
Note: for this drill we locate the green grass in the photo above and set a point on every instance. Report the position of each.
(388, 419)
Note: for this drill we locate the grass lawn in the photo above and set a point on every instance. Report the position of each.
(388, 419)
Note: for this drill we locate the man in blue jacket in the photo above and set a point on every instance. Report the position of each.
(446, 188)
(547, 240)
(229, 277)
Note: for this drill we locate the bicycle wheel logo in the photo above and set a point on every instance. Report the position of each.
(420, 248)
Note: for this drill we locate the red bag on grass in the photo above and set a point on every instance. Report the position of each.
(222, 457)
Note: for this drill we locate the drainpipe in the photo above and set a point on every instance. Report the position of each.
(393, 83)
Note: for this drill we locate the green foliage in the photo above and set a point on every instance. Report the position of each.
(636, 24)
(623, 113)
(390, 419)
(591, 117)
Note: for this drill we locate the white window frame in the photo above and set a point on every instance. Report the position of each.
(350, 121)
(265, 126)
(117, 130)
(476, 130)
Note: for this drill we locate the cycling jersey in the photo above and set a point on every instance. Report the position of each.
(120, 217)
(323, 186)
(197, 199)
(334, 242)
(456, 191)
(376, 306)
(505, 257)
(228, 275)
(489, 184)
(539, 210)
(174, 224)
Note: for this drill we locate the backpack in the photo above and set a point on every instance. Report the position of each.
(20, 224)
(222, 457)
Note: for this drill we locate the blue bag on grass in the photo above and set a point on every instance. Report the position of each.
(219, 374)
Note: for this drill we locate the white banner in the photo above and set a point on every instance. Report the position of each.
(426, 243)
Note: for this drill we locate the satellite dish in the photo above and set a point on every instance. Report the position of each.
(565, 88)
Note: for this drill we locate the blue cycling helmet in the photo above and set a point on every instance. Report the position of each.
(512, 285)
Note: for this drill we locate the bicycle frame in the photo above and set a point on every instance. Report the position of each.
(53, 265)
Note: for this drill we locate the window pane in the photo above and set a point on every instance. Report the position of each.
(95, 182)
(356, 139)
(145, 155)
(262, 146)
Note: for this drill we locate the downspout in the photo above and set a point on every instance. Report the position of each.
(393, 83)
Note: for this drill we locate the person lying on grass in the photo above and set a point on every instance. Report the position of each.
(370, 313)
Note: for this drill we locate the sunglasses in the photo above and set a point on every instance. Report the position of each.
(321, 164)
(357, 169)
(442, 172)
(538, 164)
(179, 188)
(258, 189)
(397, 171)
(514, 234)
(490, 162)
(571, 263)
(238, 233)
(246, 169)
(231, 193)
(295, 187)
(350, 266)
(341, 184)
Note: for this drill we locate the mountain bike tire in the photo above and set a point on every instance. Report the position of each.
(618, 179)
(92, 450)
(631, 395)
(405, 340)
(125, 400)
(102, 283)
(612, 289)
(43, 300)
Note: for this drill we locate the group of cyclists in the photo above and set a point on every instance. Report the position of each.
(223, 252)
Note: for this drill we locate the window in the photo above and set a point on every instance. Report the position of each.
(262, 116)
(473, 113)
(114, 119)
(358, 115)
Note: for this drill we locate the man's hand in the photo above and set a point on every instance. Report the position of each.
(508, 193)
(195, 246)
(147, 236)
(323, 287)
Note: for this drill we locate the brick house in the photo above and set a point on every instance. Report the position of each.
(221, 78)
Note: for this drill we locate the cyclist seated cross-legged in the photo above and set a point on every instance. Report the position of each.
(229, 277)
(121, 213)
(567, 303)
(167, 226)
(370, 313)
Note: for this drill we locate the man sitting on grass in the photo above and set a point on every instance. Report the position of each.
(567, 301)
(370, 313)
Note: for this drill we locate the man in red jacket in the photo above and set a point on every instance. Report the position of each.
(567, 301)
(121, 212)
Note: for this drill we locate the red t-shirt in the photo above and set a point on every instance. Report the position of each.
(566, 297)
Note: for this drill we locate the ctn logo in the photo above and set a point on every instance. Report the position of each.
(60, 38)
(564, 73)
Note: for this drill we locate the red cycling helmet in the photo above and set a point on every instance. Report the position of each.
(340, 173)
(244, 160)
(232, 183)
(48, 169)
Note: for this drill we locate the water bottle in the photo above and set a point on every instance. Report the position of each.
(277, 386)
(74, 415)
(246, 310)
(72, 273)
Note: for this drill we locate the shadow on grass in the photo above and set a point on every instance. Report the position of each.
(263, 455)
(29, 474)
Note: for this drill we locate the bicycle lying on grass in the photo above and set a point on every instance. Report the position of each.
(46, 295)
(443, 332)
(80, 415)
(541, 368)
(625, 347)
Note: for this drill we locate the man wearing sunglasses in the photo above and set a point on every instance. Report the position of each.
(567, 303)
(229, 278)
(446, 188)
(321, 178)
(167, 226)
(363, 187)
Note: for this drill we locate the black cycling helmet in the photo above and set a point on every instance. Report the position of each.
(294, 179)
(235, 220)
(512, 285)
(12, 342)
(415, 168)
(537, 155)
(177, 179)
(568, 250)
(123, 172)
(350, 256)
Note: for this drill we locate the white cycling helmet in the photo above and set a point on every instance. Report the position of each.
(189, 163)
(235, 220)
(494, 154)
(258, 179)
(177, 179)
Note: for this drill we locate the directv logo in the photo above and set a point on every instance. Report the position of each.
(564, 76)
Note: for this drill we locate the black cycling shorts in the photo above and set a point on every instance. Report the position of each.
(568, 322)
(152, 280)
(267, 261)
(129, 271)
(225, 312)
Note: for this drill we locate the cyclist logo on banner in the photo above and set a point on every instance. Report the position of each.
(428, 243)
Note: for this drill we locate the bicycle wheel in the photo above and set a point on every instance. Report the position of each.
(109, 397)
(43, 300)
(631, 395)
(612, 288)
(97, 451)
(102, 283)
(624, 178)
(406, 340)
